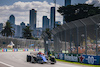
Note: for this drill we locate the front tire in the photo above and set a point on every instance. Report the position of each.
(53, 60)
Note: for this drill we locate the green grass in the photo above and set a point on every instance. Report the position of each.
(78, 63)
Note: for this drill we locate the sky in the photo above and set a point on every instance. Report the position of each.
(20, 9)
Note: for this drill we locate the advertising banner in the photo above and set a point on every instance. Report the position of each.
(36, 49)
(4, 50)
(89, 59)
(15, 50)
(30, 49)
(57, 55)
(0, 50)
(25, 49)
(71, 57)
(20, 50)
(9, 50)
(61, 56)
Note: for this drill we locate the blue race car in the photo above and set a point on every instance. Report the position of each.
(40, 58)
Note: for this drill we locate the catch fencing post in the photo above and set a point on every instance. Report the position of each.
(85, 36)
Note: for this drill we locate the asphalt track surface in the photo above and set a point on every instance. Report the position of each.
(18, 59)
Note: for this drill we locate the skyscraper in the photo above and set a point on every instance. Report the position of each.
(22, 23)
(1, 26)
(67, 2)
(45, 23)
(17, 31)
(12, 19)
(32, 20)
(57, 23)
(22, 26)
(52, 18)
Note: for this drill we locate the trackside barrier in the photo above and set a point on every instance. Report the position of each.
(0, 50)
(61, 56)
(71, 57)
(9, 50)
(25, 49)
(18, 50)
(30, 49)
(4, 50)
(36, 49)
(87, 59)
(56, 55)
(15, 50)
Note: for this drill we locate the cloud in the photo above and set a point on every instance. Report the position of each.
(95, 2)
(21, 11)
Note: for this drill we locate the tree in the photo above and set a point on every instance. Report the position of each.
(27, 32)
(48, 33)
(8, 30)
(75, 12)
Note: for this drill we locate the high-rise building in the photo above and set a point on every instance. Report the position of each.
(27, 24)
(22, 23)
(1, 26)
(22, 26)
(17, 31)
(57, 23)
(52, 18)
(45, 23)
(39, 32)
(12, 19)
(32, 20)
(67, 2)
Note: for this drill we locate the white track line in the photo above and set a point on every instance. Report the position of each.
(6, 64)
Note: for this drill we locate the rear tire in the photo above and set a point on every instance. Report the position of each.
(52, 63)
(32, 59)
(27, 58)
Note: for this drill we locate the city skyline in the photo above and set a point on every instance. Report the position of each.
(20, 9)
(32, 20)
(45, 23)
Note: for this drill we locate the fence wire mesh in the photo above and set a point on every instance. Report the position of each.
(78, 37)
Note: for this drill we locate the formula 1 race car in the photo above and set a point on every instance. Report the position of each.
(40, 58)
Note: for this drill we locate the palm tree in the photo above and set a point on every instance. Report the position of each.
(27, 32)
(8, 30)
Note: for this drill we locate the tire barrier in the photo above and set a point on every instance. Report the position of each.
(25, 49)
(17, 50)
(87, 59)
(36, 49)
(4, 50)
